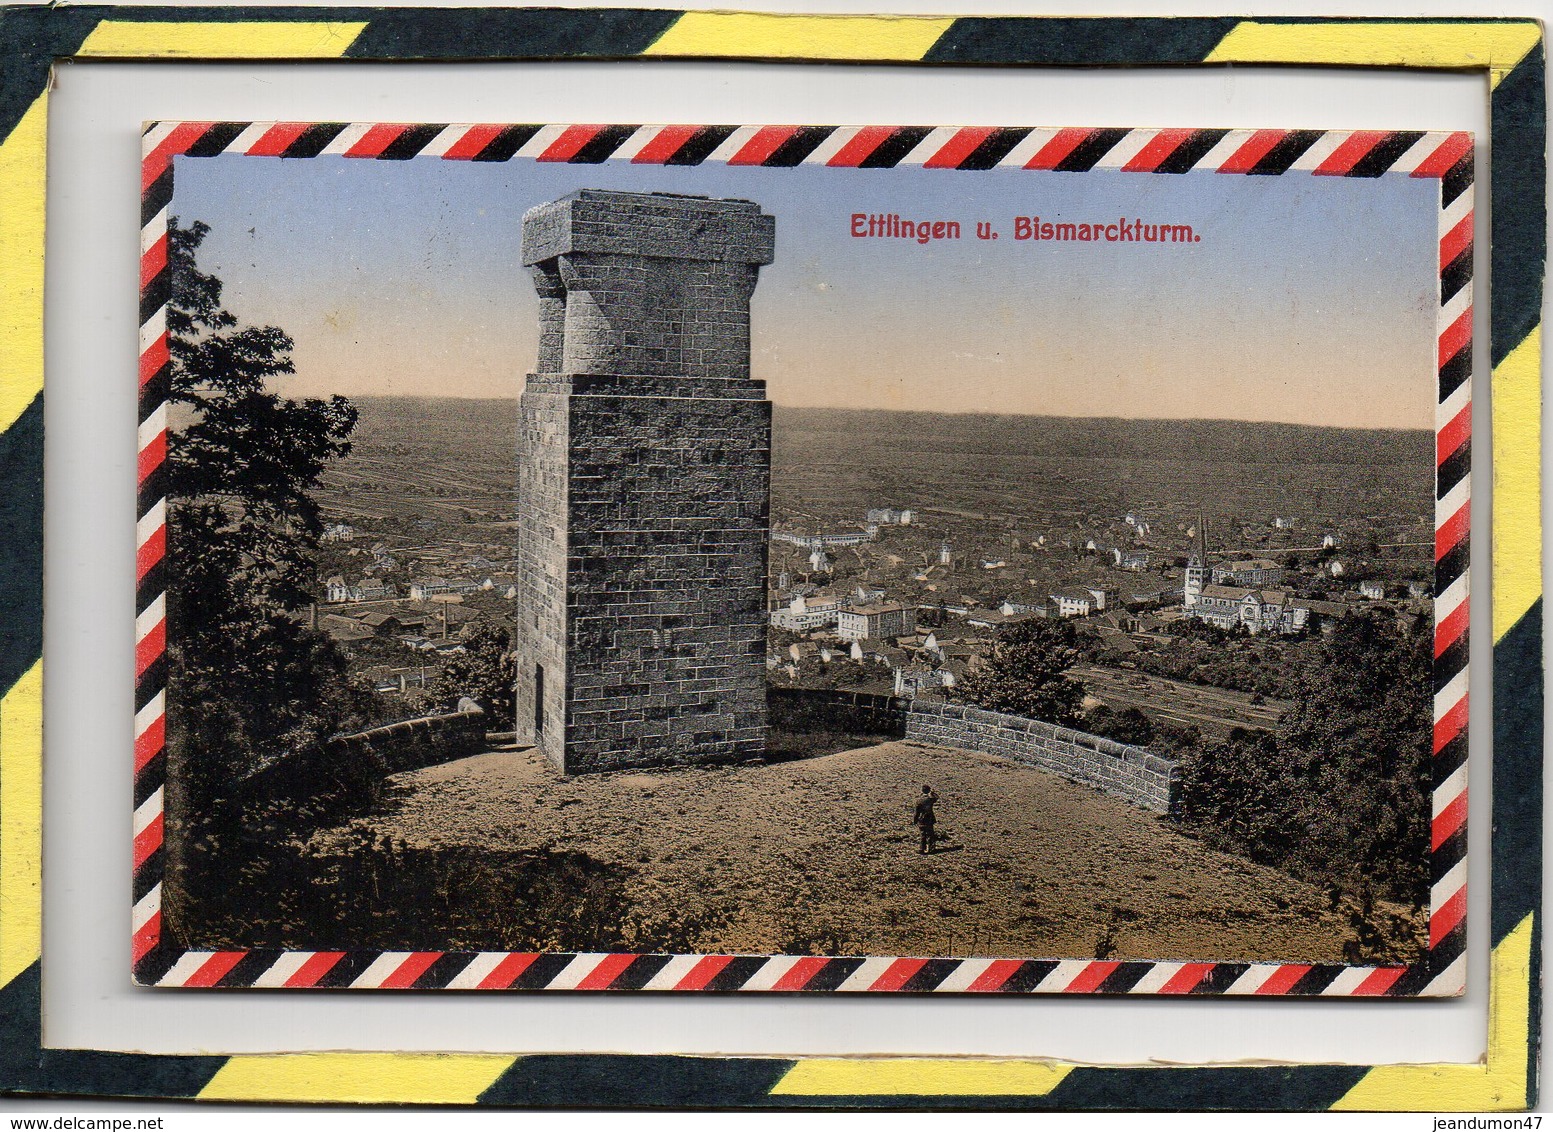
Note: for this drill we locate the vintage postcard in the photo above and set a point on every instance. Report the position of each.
(825, 559)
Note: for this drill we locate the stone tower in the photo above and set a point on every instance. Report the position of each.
(644, 479)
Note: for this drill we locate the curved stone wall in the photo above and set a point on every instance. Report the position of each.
(1132, 773)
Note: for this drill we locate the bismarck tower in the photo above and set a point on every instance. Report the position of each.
(644, 482)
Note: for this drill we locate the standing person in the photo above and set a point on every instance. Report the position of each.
(924, 819)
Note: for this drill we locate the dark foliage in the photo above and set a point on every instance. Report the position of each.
(486, 673)
(287, 888)
(1126, 726)
(1232, 659)
(243, 527)
(543, 899)
(1340, 794)
(1023, 674)
(246, 679)
(840, 672)
(243, 462)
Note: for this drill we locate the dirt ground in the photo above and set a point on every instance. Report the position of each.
(819, 856)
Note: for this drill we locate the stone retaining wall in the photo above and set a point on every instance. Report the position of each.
(1132, 773)
(348, 768)
(813, 709)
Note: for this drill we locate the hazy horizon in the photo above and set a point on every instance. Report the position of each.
(1306, 300)
(513, 400)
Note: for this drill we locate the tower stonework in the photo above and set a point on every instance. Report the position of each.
(644, 479)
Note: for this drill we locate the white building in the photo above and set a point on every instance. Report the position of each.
(1260, 611)
(806, 613)
(373, 589)
(1073, 603)
(909, 680)
(424, 588)
(882, 622)
(1104, 598)
(337, 590)
(819, 542)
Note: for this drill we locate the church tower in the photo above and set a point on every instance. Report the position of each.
(1196, 566)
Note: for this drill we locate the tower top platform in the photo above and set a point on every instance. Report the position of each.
(660, 225)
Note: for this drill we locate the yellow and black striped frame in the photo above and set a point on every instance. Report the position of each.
(1509, 52)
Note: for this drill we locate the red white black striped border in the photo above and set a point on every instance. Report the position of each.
(499, 970)
(1453, 458)
(1445, 157)
(1353, 153)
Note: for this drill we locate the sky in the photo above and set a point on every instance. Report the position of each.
(1306, 299)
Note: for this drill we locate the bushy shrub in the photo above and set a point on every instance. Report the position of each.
(1024, 674)
(1340, 793)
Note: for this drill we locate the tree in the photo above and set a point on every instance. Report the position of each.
(1341, 792)
(1024, 674)
(242, 469)
(247, 680)
(932, 617)
(1126, 726)
(486, 673)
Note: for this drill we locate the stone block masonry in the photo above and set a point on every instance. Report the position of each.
(644, 469)
(1132, 773)
(646, 284)
(350, 768)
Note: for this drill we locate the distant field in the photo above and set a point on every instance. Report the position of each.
(970, 476)
(1215, 711)
(444, 459)
(1054, 473)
